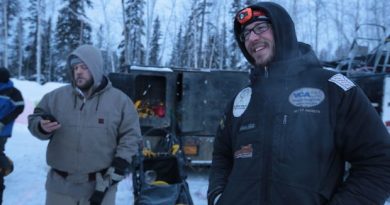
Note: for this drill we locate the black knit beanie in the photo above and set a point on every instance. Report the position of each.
(4, 75)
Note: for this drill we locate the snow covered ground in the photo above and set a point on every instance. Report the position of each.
(26, 185)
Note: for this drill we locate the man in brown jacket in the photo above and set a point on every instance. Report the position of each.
(93, 130)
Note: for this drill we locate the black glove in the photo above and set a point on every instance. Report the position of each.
(214, 195)
(119, 168)
(115, 173)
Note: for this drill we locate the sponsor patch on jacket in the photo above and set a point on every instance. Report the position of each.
(248, 126)
(306, 97)
(244, 152)
(241, 101)
(342, 81)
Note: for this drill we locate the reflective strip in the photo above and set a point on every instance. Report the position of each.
(16, 103)
(342, 81)
(19, 103)
(4, 97)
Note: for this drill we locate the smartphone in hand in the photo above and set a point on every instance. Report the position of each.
(49, 117)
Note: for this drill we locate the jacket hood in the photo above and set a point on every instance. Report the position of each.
(286, 44)
(92, 57)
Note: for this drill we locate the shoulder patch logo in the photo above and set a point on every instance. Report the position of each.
(306, 97)
(241, 101)
(342, 81)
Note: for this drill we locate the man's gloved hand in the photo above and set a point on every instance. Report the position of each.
(115, 173)
(100, 189)
(214, 195)
(119, 168)
(1, 126)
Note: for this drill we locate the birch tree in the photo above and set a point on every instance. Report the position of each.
(9, 10)
(32, 64)
(105, 34)
(150, 4)
(18, 48)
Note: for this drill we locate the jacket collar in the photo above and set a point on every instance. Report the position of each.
(289, 67)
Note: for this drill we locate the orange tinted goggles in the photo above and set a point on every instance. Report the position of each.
(247, 14)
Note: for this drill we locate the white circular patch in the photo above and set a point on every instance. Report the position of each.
(306, 97)
(241, 102)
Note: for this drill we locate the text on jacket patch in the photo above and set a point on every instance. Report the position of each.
(244, 152)
(241, 101)
(247, 127)
(306, 98)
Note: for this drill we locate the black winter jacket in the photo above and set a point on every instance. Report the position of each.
(285, 138)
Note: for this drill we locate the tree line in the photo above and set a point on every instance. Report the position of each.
(35, 46)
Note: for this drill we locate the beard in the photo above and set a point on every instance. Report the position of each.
(86, 85)
(265, 58)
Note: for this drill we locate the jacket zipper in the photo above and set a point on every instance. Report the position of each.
(267, 159)
(79, 133)
(283, 138)
(267, 169)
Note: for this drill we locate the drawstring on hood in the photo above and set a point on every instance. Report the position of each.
(102, 85)
(97, 104)
(98, 91)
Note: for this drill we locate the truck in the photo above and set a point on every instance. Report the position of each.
(368, 65)
(186, 103)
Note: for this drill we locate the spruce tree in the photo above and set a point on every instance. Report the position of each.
(72, 30)
(201, 12)
(235, 54)
(189, 49)
(222, 49)
(155, 44)
(211, 56)
(177, 55)
(134, 29)
(193, 34)
(32, 39)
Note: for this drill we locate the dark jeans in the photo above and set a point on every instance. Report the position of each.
(3, 160)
